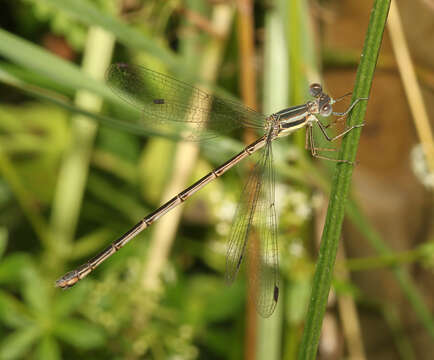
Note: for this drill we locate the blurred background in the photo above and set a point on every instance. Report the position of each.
(78, 169)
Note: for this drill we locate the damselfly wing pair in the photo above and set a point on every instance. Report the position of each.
(165, 101)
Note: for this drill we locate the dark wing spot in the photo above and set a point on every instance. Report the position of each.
(158, 101)
(276, 293)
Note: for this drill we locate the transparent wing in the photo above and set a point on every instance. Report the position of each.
(267, 281)
(165, 101)
(243, 221)
(256, 216)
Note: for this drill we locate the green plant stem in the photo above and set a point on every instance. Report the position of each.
(270, 331)
(383, 261)
(341, 185)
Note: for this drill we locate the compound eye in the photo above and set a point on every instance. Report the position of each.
(326, 110)
(315, 90)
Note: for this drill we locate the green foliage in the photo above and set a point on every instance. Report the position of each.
(62, 24)
(193, 313)
(40, 316)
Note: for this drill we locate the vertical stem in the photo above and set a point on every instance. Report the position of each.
(348, 314)
(246, 48)
(275, 91)
(75, 165)
(411, 86)
(341, 185)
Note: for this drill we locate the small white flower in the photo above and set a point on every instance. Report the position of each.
(227, 210)
(296, 248)
(420, 167)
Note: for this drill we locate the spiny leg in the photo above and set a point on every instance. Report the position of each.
(323, 130)
(343, 115)
(314, 149)
(308, 143)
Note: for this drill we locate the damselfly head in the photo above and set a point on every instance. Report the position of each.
(315, 90)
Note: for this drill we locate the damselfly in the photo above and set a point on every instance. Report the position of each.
(165, 101)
